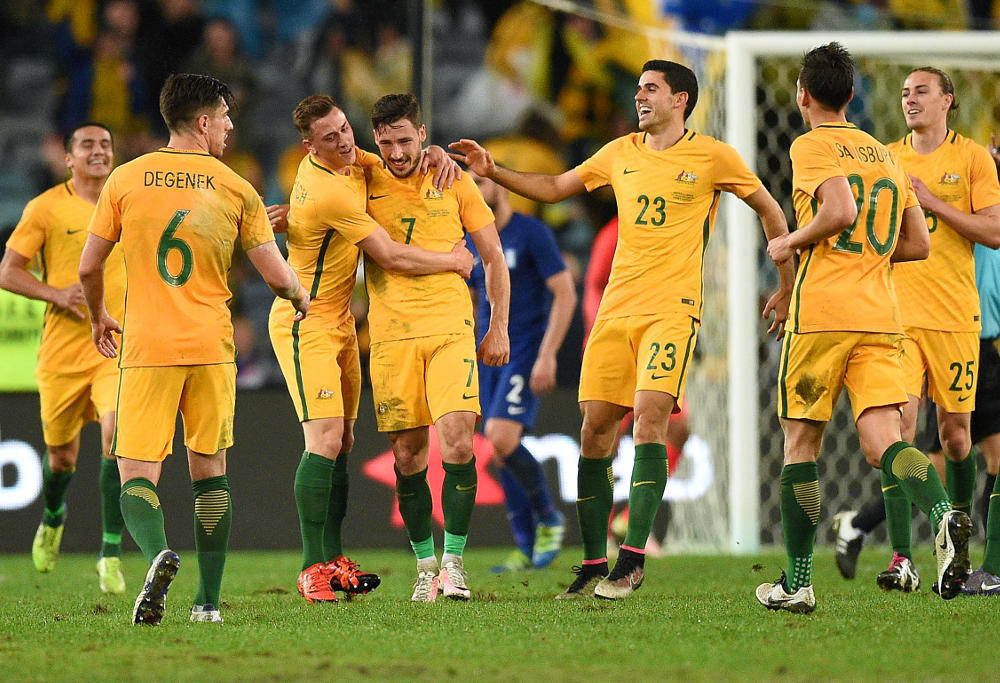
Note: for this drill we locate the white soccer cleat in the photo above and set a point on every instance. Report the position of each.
(426, 587)
(951, 546)
(453, 580)
(206, 614)
(776, 596)
(900, 575)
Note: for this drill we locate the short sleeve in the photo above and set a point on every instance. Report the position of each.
(255, 228)
(813, 163)
(595, 172)
(107, 219)
(911, 196)
(29, 234)
(732, 173)
(365, 159)
(473, 211)
(349, 218)
(983, 172)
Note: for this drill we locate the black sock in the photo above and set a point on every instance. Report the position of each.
(870, 516)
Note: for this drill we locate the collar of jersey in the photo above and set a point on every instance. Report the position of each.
(838, 124)
(686, 137)
(323, 167)
(174, 150)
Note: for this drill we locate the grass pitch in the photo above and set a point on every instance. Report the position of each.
(694, 618)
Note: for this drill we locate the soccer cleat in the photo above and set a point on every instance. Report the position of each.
(587, 578)
(776, 596)
(314, 584)
(453, 580)
(426, 587)
(206, 614)
(848, 544)
(981, 582)
(45, 547)
(901, 575)
(517, 561)
(151, 602)
(548, 542)
(951, 546)
(624, 579)
(344, 575)
(110, 576)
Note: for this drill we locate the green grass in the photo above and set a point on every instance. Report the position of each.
(694, 618)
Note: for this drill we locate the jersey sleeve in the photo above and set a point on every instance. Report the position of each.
(473, 211)
(732, 173)
(107, 219)
(813, 164)
(595, 172)
(255, 228)
(910, 198)
(349, 218)
(365, 159)
(983, 172)
(545, 251)
(29, 234)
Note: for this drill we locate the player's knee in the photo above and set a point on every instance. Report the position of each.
(955, 442)
(62, 458)
(346, 443)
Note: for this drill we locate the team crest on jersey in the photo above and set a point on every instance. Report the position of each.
(433, 193)
(324, 394)
(686, 177)
(299, 193)
(950, 179)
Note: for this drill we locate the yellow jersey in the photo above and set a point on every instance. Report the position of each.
(54, 226)
(667, 203)
(178, 214)
(413, 212)
(940, 293)
(845, 281)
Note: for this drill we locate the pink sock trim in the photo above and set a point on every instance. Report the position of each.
(602, 560)
(641, 551)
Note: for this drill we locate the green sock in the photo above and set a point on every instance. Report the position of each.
(112, 523)
(213, 518)
(991, 561)
(960, 478)
(143, 516)
(918, 479)
(458, 499)
(414, 496)
(312, 498)
(594, 499)
(800, 504)
(649, 478)
(333, 544)
(898, 511)
(54, 485)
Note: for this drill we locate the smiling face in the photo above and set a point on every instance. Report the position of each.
(925, 103)
(331, 140)
(656, 103)
(91, 154)
(400, 144)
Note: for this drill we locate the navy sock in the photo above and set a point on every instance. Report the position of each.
(528, 471)
(522, 523)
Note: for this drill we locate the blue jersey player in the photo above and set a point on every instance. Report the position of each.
(542, 299)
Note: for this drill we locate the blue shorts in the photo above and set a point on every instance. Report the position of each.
(504, 391)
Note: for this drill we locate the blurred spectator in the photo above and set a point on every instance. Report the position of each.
(259, 23)
(237, 157)
(219, 55)
(176, 31)
(930, 14)
(709, 16)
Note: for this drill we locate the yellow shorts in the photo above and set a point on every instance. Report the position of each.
(321, 365)
(815, 367)
(637, 353)
(416, 381)
(70, 400)
(148, 401)
(951, 362)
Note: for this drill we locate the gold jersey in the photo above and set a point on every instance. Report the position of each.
(178, 214)
(940, 293)
(413, 212)
(845, 281)
(667, 203)
(54, 226)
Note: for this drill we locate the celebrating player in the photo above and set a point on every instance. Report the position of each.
(181, 209)
(75, 383)
(423, 350)
(667, 181)
(856, 212)
(319, 357)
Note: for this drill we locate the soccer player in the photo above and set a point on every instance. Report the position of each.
(423, 346)
(178, 212)
(319, 356)
(956, 184)
(75, 383)
(542, 301)
(856, 213)
(667, 181)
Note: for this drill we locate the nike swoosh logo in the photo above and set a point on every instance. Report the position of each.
(630, 170)
(584, 500)
(459, 487)
(943, 546)
(640, 483)
(964, 398)
(373, 197)
(889, 488)
(73, 232)
(466, 397)
(405, 495)
(655, 376)
(990, 586)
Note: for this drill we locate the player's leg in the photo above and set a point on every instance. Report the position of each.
(413, 495)
(505, 436)
(959, 459)
(458, 497)
(104, 393)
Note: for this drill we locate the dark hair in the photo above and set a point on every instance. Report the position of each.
(679, 78)
(391, 108)
(828, 75)
(184, 97)
(944, 80)
(68, 141)
(312, 108)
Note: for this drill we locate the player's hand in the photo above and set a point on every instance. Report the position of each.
(543, 375)
(495, 347)
(475, 156)
(71, 299)
(779, 249)
(101, 331)
(778, 304)
(446, 170)
(278, 215)
(924, 195)
(463, 259)
(301, 304)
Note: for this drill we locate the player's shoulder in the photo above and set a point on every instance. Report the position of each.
(55, 194)
(967, 147)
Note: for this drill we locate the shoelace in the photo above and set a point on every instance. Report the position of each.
(456, 572)
(345, 571)
(422, 588)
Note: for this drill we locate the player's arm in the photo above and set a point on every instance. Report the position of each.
(772, 218)
(14, 277)
(538, 186)
(413, 260)
(495, 347)
(446, 169)
(95, 253)
(914, 242)
(837, 212)
(543, 373)
(279, 276)
(982, 226)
